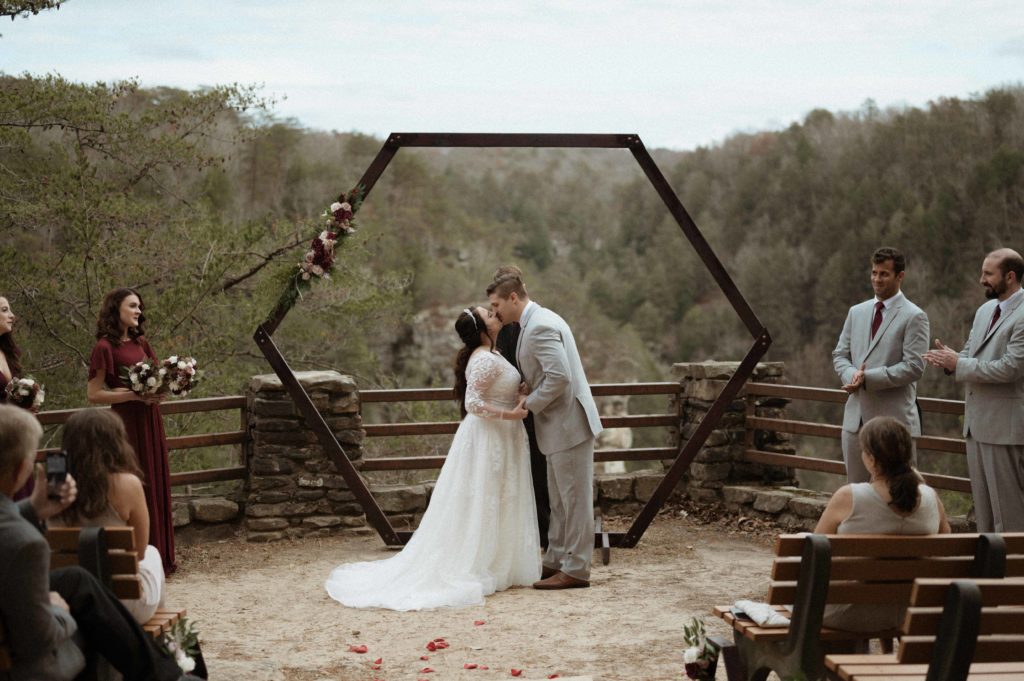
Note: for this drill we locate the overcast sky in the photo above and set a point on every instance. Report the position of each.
(681, 74)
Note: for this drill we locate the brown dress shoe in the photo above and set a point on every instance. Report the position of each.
(560, 580)
(546, 572)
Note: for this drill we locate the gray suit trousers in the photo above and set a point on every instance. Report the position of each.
(571, 528)
(997, 485)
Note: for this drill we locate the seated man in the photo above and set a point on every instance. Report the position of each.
(54, 621)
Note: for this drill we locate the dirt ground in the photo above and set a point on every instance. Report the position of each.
(264, 616)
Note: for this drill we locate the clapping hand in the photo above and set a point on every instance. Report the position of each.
(856, 382)
(942, 357)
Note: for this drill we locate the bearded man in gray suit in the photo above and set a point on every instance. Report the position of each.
(879, 357)
(566, 421)
(992, 367)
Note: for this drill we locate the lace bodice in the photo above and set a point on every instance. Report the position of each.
(491, 385)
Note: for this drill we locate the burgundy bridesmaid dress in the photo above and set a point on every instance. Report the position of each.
(145, 427)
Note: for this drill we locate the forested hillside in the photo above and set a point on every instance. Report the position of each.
(204, 200)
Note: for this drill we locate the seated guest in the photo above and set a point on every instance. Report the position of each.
(110, 494)
(57, 622)
(895, 501)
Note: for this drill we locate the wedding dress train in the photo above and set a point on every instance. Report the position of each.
(479, 532)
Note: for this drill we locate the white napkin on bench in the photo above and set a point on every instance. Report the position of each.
(763, 614)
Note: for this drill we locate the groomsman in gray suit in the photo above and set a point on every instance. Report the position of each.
(879, 357)
(991, 366)
(566, 420)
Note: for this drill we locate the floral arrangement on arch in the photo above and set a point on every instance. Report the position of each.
(318, 261)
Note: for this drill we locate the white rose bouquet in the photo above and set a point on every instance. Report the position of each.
(179, 375)
(142, 378)
(26, 393)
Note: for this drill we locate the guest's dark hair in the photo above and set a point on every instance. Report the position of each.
(11, 351)
(899, 261)
(889, 442)
(97, 447)
(108, 325)
(468, 325)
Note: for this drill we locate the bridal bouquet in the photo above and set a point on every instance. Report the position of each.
(26, 393)
(699, 656)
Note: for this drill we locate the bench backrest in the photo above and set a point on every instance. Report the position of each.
(110, 552)
(882, 568)
(996, 606)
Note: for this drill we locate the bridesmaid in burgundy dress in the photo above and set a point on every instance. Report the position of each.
(120, 342)
(10, 366)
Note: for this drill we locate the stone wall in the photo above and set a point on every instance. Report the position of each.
(294, 490)
(718, 463)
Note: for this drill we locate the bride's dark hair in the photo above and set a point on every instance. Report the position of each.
(468, 325)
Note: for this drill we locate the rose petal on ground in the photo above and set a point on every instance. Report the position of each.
(438, 640)
(483, 666)
(478, 623)
(552, 676)
(357, 649)
(469, 665)
(431, 646)
(517, 672)
(424, 658)
(426, 670)
(378, 660)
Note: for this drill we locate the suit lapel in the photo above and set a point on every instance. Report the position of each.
(523, 321)
(999, 322)
(889, 316)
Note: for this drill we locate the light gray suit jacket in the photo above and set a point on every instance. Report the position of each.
(39, 633)
(563, 409)
(892, 362)
(992, 366)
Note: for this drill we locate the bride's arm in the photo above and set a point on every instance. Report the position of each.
(481, 373)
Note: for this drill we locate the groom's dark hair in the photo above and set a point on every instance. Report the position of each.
(507, 284)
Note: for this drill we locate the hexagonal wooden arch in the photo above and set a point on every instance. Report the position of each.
(687, 451)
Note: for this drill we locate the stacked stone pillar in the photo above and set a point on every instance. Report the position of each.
(294, 489)
(719, 462)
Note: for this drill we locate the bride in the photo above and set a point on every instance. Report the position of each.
(479, 533)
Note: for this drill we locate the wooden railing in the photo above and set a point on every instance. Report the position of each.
(754, 423)
(752, 391)
(206, 404)
(448, 427)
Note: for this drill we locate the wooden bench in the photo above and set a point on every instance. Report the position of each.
(953, 631)
(109, 554)
(810, 571)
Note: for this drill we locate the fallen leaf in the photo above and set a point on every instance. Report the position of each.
(358, 649)
(478, 623)
(469, 665)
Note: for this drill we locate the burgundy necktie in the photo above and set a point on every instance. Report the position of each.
(877, 321)
(995, 318)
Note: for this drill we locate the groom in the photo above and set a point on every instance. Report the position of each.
(567, 422)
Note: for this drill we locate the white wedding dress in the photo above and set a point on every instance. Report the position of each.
(479, 533)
